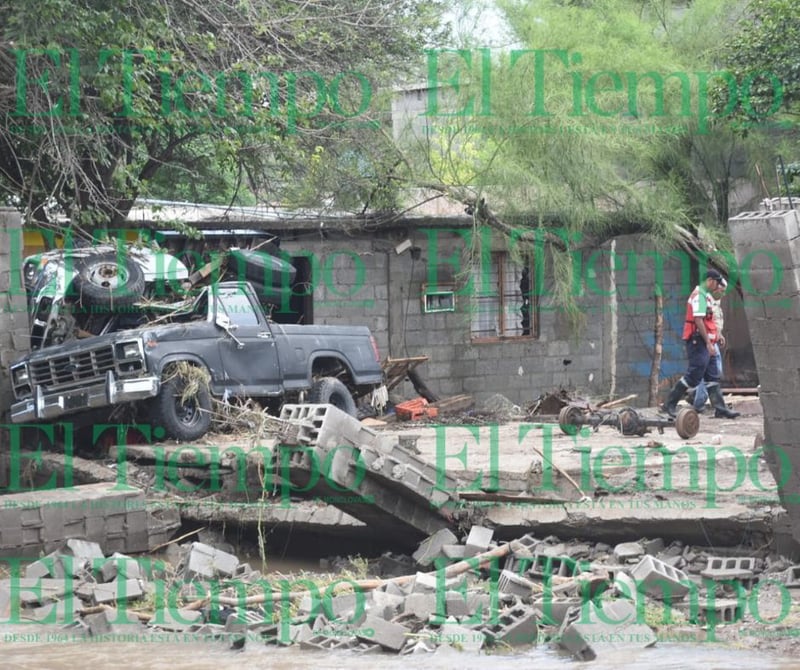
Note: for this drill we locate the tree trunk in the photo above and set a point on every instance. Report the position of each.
(658, 348)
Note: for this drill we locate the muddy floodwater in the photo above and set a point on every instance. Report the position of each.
(215, 656)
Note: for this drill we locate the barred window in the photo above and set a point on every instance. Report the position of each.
(503, 300)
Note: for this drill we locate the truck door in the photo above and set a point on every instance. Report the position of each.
(247, 346)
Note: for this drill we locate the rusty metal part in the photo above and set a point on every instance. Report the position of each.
(627, 420)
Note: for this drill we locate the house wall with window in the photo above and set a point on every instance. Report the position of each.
(485, 324)
(487, 318)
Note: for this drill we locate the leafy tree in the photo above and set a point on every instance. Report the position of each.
(763, 52)
(103, 101)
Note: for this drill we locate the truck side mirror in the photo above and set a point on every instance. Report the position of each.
(224, 322)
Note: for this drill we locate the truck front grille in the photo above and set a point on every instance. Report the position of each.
(72, 369)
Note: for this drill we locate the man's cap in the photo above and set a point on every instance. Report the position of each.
(716, 276)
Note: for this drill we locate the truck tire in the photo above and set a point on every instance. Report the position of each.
(108, 281)
(272, 295)
(182, 421)
(330, 391)
(264, 268)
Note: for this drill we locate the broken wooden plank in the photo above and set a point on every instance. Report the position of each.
(617, 402)
(456, 403)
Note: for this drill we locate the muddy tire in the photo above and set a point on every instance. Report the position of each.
(107, 280)
(569, 419)
(687, 423)
(264, 268)
(330, 391)
(271, 295)
(182, 420)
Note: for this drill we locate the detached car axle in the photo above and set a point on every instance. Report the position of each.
(627, 420)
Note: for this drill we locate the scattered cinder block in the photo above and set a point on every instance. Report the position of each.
(421, 605)
(515, 627)
(61, 612)
(119, 564)
(386, 605)
(659, 580)
(722, 611)
(388, 634)
(730, 569)
(32, 592)
(478, 541)
(83, 549)
(587, 632)
(456, 604)
(653, 547)
(206, 562)
(454, 551)
(327, 643)
(513, 584)
(625, 587)
(47, 566)
(553, 611)
(792, 577)
(111, 620)
(117, 590)
(478, 602)
(628, 551)
(432, 547)
(459, 637)
(179, 620)
(545, 565)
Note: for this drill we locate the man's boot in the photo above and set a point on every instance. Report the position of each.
(721, 410)
(677, 392)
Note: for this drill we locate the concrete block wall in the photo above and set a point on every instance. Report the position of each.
(767, 246)
(35, 522)
(350, 283)
(362, 280)
(383, 290)
(14, 338)
(631, 267)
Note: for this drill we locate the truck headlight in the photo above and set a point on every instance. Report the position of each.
(128, 350)
(20, 375)
(21, 381)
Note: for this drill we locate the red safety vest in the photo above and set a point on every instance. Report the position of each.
(689, 328)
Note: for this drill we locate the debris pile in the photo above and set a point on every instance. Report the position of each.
(470, 594)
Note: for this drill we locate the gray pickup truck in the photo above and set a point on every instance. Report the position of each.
(224, 334)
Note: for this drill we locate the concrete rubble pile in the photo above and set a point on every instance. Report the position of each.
(470, 594)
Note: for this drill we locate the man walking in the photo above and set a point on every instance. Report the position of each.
(700, 335)
(700, 396)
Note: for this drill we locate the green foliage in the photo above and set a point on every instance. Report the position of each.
(602, 132)
(764, 49)
(222, 101)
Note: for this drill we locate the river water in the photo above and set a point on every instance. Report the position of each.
(51, 655)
